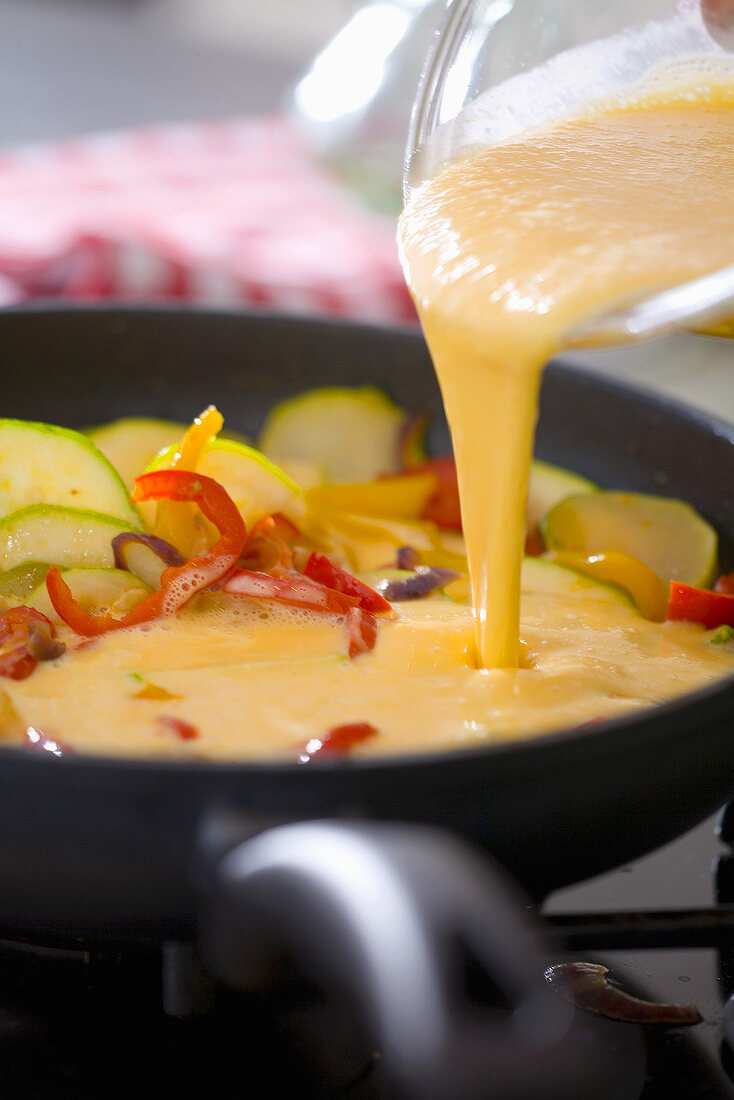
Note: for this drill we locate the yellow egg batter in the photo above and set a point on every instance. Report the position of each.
(257, 682)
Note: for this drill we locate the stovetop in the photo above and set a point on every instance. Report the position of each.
(77, 1024)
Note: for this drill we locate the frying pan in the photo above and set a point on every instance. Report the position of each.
(113, 851)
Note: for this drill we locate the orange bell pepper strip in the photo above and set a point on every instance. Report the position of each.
(700, 605)
(178, 583)
(443, 507)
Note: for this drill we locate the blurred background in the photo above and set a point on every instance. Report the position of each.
(232, 152)
(71, 66)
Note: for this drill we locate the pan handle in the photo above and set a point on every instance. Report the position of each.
(389, 915)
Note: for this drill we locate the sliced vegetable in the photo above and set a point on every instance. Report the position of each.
(338, 740)
(353, 433)
(132, 442)
(16, 626)
(144, 555)
(322, 569)
(544, 577)
(96, 590)
(67, 537)
(269, 545)
(667, 535)
(185, 731)
(549, 485)
(257, 486)
(700, 605)
(442, 507)
(397, 496)
(411, 441)
(636, 578)
(723, 636)
(423, 581)
(19, 582)
(361, 631)
(182, 526)
(178, 584)
(294, 591)
(586, 985)
(44, 464)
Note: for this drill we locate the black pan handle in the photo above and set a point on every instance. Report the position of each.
(390, 914)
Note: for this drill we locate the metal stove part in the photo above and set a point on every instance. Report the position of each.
(446, 965)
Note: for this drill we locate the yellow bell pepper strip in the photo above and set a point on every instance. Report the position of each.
(614, 567)
(172, 523)
(178, 583)
(395, 496)
(700, 605)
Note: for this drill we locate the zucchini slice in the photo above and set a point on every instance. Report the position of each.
(548, 486)
(19, 582)
(543, 577)
(353, 433)
(667, 535)
(132, 443)
(44, 464)
(67, 537)
(256, 485)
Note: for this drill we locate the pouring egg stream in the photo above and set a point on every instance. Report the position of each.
(509, 249)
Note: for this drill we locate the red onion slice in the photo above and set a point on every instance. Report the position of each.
(168, 554)
(585, 984)
(406, 557)
(423, 582)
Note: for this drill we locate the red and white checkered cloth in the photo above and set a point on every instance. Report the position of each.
(220, 213)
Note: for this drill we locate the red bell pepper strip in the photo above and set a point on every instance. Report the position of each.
(361, 631)
(725, 584)
(338, 740)
(178, 583)
(182, 729)
(14, 622)
(699, 605)
(19, 662)
(443, 507)
(267, 545)
(294, 590)
(325, 571)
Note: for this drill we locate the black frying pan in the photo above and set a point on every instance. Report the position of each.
(121, 850)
